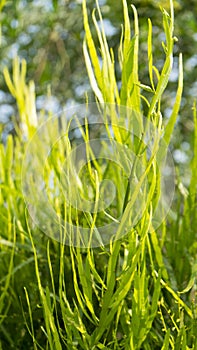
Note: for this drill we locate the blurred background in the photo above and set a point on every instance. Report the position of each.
(49, 35)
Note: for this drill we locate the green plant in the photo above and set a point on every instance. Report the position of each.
(137, 291)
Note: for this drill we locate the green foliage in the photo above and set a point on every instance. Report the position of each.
(137, 292)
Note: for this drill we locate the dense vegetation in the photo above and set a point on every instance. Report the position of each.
(68, 280)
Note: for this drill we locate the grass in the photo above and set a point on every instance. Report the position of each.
(132, 286)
